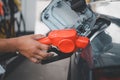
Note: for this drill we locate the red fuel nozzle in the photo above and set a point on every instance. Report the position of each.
(65, 40)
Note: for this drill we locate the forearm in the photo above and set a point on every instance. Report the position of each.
(8, 45)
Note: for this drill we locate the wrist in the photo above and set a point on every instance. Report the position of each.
(13, 44)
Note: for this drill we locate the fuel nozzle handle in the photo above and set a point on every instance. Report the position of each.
(65, 40)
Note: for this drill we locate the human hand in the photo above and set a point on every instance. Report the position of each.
(31, 48)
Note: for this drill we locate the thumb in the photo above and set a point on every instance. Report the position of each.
(38, 36)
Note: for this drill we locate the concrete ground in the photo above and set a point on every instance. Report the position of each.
(31, 71)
